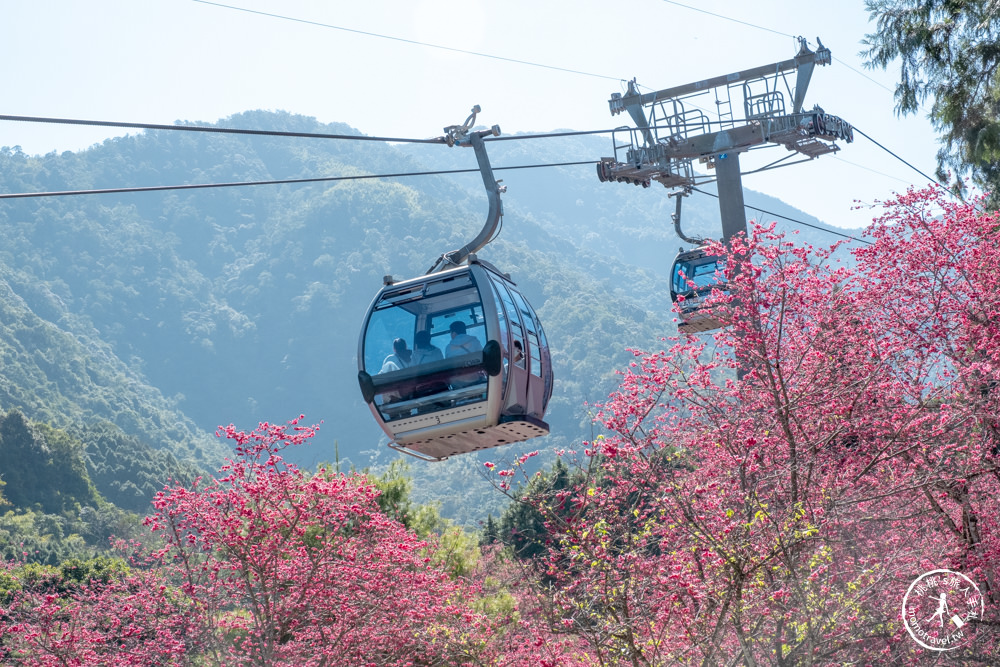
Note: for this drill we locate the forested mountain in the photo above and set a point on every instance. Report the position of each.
(169, 313)
(56, 369)
(64, 495)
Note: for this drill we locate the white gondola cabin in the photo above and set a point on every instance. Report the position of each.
(475, 372)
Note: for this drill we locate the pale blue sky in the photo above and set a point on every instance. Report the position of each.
(159, 61)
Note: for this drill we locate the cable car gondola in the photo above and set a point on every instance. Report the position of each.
(456, 360)
(707, 272)
(491, 392)
(693, 276)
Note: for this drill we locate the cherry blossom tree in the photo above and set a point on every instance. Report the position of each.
(119, 617)
(264, 565)
(779, 518)
(300, 569)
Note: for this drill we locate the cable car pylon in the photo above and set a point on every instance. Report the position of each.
(663, 146)
(479, 372)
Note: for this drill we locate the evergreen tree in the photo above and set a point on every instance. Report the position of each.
(523, 526)
(949, 52)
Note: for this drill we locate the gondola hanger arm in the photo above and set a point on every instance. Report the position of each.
(676, 217)
(462, 135)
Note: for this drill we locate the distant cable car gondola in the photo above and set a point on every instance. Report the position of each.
(456, 361)
(707, 272)
(693, 276)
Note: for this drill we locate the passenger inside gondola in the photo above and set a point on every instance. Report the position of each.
(424, 351)
(461, 344)
(518, 354)
(399, 359)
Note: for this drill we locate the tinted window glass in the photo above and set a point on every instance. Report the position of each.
(701, 271)
(432, 305)
(531, 334)
(428, 381)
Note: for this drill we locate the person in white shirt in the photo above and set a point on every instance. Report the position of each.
(399, 359)
(518, 354)
(423, 351)
(461, 342)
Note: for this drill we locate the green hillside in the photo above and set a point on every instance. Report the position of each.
(65, 495)
(56, 371)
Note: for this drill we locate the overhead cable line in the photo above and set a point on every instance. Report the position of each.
(313, 135)
(874, 171)
(727, 18)
(279, 133)
(776, 32)
(515, 60)
(409, 41)
(215, 130)
(932, 180)
(798, 222)
(316, 135)
(860, 73)
(330, 179)
(290, 181)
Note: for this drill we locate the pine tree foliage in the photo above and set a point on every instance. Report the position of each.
(949, 55)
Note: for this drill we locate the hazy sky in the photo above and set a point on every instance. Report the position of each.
(543, 65)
